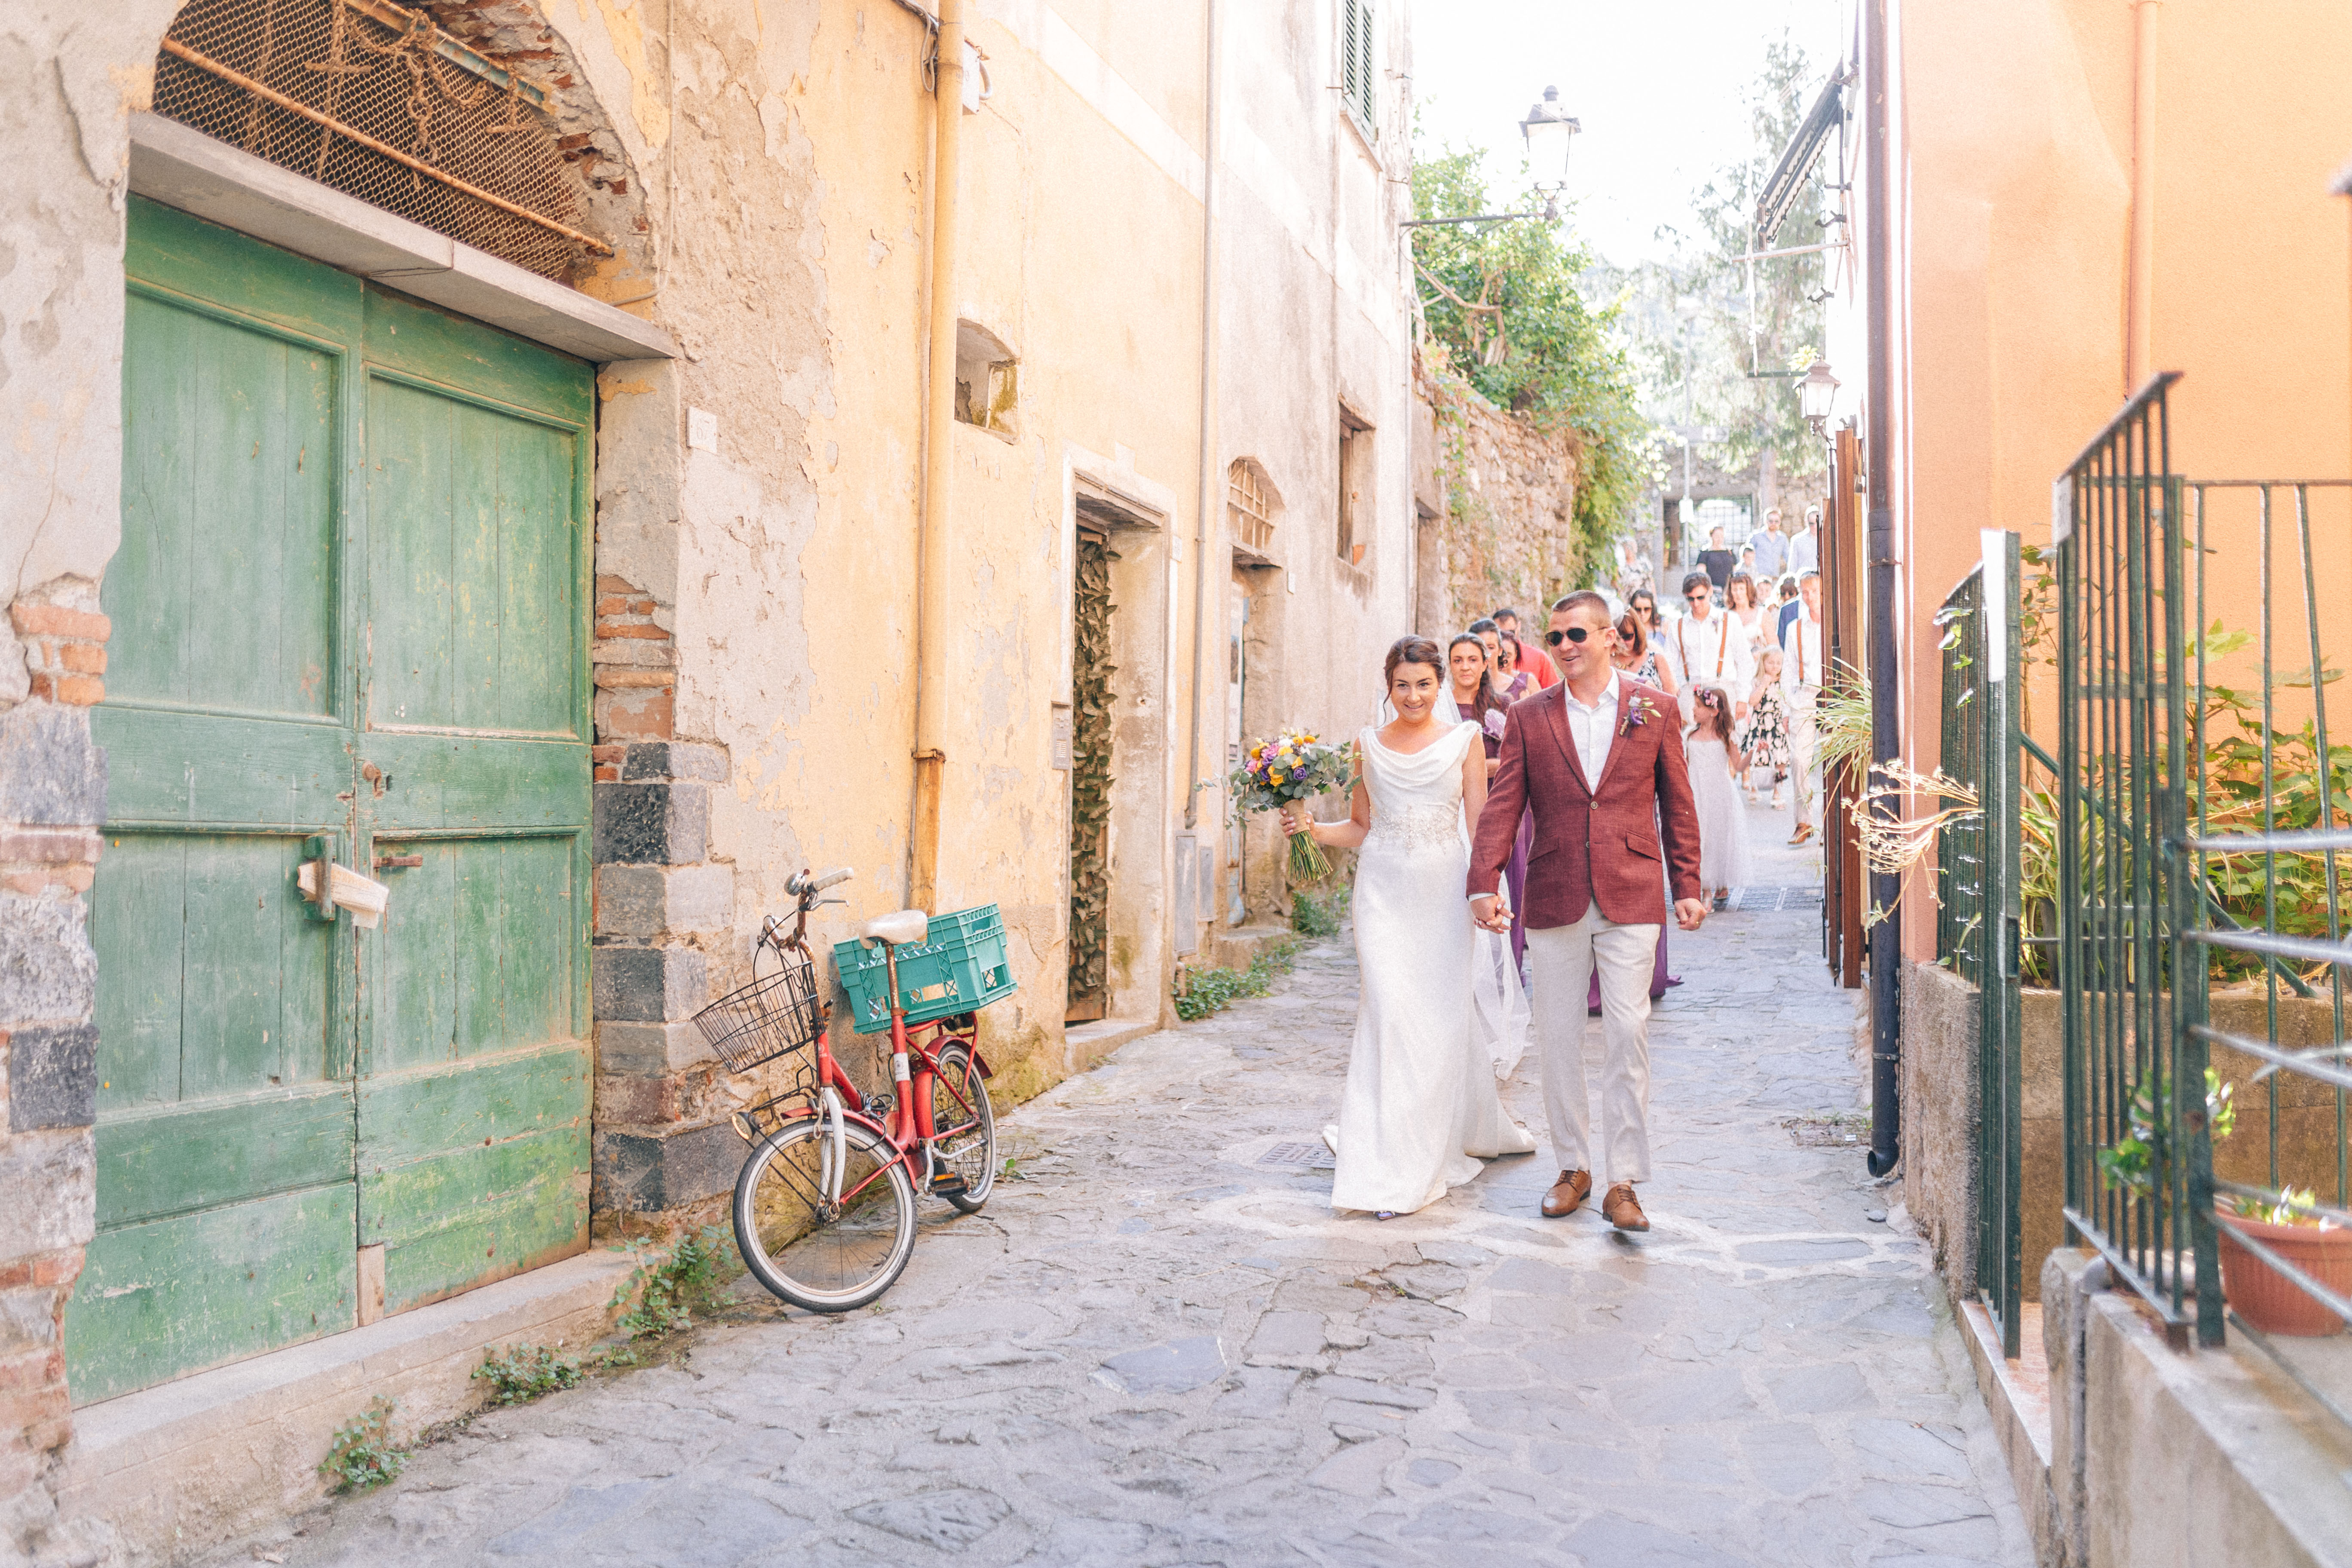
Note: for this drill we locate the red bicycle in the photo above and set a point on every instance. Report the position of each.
(825, 1206)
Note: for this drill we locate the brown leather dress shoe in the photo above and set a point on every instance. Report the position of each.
(1621, 1210)
(1568, 1195)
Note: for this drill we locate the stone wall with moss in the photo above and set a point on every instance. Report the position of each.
(1508, 532)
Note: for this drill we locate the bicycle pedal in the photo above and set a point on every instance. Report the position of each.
(949, 1185)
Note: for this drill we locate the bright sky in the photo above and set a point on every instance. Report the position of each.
(1656, 84)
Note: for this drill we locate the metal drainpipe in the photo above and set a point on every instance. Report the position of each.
(1204, 531)
(2139, 328)
(1886, 738)
(933, 605)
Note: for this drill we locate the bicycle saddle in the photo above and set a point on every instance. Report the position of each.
(897, 930)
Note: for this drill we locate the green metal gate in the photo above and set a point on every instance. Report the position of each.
(1978, 926)
(348, 618)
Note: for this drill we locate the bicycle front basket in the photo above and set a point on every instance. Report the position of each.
(760, 1022)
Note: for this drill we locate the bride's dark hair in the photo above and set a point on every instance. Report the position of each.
(1413, 650)
(1487, 701)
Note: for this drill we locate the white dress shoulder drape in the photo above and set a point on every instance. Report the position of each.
(1420, 1108)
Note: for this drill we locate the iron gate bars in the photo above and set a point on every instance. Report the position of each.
(1978, 924)
(2138, 1155)
(2272, 807)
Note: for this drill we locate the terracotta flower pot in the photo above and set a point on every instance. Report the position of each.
(2269, 1300)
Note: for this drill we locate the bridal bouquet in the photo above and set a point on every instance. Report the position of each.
(1292, 766)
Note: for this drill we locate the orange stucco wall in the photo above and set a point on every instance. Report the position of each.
(2016, 161)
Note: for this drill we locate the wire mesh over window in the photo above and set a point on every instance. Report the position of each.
(374, 100)
(1249, 509)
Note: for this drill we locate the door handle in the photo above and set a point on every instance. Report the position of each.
(398, 862)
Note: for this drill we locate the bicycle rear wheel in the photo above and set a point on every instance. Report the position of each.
(819, 1256)
(963, 1128)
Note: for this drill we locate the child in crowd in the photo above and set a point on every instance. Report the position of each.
(1764, 742)
(1714, 767)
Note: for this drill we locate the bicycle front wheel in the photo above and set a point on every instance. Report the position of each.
(824, 1244)
(963, 1128)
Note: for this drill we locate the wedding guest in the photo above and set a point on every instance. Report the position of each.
(1785, 607)
(1771, 546)
(1765, 743)
(1707, 645)
(1717, 560)
(1723, 861)
(1739, 604)
(1805, 549)
(1531, 660)
(1637, 645)
(1491, 636)
(1802, 677)
(1476, 700)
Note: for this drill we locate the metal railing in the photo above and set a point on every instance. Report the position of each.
(2203, 837)
(1978, 924)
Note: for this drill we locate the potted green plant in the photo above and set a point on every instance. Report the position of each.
(2313, 1242)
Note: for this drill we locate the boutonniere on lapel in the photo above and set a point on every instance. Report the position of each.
(1637, 713)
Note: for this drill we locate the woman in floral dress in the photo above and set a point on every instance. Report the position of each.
(1764, 740)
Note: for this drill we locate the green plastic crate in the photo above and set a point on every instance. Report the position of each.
(960, 966)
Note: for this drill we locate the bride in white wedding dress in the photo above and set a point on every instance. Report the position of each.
(1420, 1108)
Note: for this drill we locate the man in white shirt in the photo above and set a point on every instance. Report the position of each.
(1803, 667)
(1771, 546)
(1710, 646)
(1805, 550)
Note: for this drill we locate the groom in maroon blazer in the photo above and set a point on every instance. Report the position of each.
(1599, 758)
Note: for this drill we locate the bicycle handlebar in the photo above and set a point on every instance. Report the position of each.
(839, 874)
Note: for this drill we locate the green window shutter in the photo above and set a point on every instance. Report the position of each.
(1355, 79)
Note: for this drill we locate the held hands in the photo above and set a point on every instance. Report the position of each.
(1295, 822)
(1690, 913)
(1491, 912)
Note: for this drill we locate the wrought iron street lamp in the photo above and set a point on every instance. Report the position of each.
(1547, 129)
(1816, 395)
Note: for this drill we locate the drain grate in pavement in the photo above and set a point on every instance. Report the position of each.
(1759, 901)
(1298, 1157)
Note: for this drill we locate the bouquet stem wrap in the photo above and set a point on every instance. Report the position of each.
(1294, 766)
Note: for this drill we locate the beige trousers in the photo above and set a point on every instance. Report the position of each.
(1561, 960)
(1805, 755)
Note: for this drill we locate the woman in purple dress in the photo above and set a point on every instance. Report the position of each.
(1510, 683)
(1470, 660)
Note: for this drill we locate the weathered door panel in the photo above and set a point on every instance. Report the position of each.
(475, 1078)
(167, 1297)
(226, 1190)
(279, 1089)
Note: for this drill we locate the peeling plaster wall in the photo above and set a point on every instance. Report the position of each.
(764, 172)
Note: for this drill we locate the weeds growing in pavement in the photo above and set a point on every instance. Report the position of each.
(1313, 916)
(1200, 992)
(363, 1454)
(665, 1289)
(525, 1372)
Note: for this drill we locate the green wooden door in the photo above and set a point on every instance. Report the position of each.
(348, 604)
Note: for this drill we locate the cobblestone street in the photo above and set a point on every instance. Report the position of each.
(1160, 1346)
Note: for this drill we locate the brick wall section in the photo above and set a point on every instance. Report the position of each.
(52, 799)
(636, 673)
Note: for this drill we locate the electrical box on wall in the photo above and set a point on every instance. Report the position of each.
(1062, 737)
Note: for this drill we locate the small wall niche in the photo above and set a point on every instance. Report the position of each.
(988, 381)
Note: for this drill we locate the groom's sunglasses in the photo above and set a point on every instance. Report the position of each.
(1573, 634)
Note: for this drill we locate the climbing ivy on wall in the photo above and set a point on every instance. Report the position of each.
(1090, 778)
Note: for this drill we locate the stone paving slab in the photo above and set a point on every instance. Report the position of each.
(1158, 1348)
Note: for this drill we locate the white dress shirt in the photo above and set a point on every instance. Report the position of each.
(1805, 553)
(1593, 728)
(1713, 650)
(1801, 655)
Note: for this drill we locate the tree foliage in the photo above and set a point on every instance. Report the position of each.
(1506, 305)
(1692, 338)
